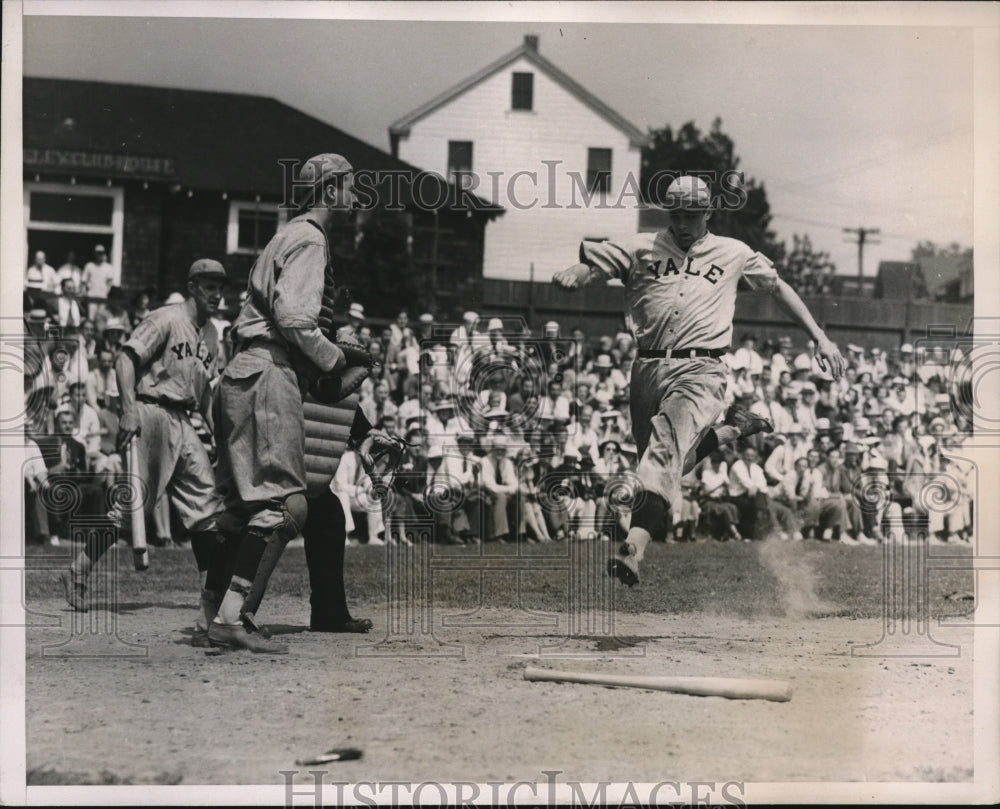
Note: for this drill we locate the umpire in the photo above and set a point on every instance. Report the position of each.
(280, 352)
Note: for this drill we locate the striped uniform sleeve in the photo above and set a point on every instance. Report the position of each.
(614, 259)
(760, 273)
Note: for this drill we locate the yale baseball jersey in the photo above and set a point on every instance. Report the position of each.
(679, 299)
(177, 360)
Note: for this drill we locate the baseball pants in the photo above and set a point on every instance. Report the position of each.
(674, 403)
(261, 439)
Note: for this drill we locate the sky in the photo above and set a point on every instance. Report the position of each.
(846, 125)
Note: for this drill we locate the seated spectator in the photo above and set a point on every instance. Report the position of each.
(720, 516)
(88, 424)
(805, 413)
(823, 514)
(748, 492)
(66, 460)
(500, 486)
(408, 487)
(583, 437)
(36, 482)
(114, 335)
(67, 305)
(113, 309)
(414, 396)
(746, 356)
(899, 446)
(464, 468)
(532, 518)
(554, 405)
(102, 382)
(442, 495)
(353, 486)
(524, 398)
(379, 404)
(141, 307)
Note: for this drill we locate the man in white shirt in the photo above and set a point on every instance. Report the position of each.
(554, 405)
(50, 280)
(353, 487)
(748, 492)
(500, 485)
(98, 275)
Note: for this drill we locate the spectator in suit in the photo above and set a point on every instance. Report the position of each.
(500, 486)
(463, 467)
(68, 305)
(66, 459)
(102, 382)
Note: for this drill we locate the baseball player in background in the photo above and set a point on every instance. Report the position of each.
(279, 353)
(680, 293)
(164, 373)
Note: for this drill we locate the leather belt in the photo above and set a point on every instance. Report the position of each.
(680, 353)
(166, 404)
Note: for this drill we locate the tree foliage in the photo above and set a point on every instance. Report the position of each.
(689, 150)
(810, 272)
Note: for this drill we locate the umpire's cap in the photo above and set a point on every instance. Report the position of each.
(688, 192)
(206, 268)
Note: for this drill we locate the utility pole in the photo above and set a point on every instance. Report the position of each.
(862, 234)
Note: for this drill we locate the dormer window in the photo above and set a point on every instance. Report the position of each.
(522, 91)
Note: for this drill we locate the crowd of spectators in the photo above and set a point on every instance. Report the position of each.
(513, 435)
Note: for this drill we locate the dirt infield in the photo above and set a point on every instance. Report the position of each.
(453, 705)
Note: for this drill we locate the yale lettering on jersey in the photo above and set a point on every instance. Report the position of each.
(659, 269)
(201, 353)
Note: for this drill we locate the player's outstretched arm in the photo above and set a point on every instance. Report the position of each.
(577, 276)
(789, 300)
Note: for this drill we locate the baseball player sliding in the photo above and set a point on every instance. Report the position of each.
(680, 291)
(164, 371)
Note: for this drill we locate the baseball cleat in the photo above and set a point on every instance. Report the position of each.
(235, 636)
(624, 566)
(200, 639)
(746, 422)
(356, 626)
(74, 590)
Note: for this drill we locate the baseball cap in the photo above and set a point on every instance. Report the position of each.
(206, 268)
(322, 167)
(688, 192)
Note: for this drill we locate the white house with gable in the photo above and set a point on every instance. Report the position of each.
(523, 134)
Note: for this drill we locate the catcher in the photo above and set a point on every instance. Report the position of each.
(282, 351)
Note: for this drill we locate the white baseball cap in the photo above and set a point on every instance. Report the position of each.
(688, 192)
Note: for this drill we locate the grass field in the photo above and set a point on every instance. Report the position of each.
(726, 578)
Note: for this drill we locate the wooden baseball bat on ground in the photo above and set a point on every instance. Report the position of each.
(728, 687)
(140, 549)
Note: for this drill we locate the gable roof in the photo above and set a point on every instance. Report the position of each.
(218, 141)
(528, 50)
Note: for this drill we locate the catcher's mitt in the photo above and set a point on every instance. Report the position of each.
(338, 385)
